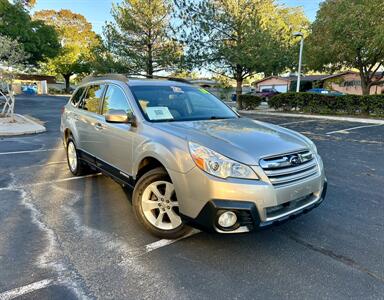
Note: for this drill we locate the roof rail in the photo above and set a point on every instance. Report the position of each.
(118, 77)
(164, 77)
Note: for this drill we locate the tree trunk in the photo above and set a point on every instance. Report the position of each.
(365, 86)
(239, 86)
(67, 82)
(239, 90)
(150, 58)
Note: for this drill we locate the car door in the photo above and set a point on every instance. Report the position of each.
(89, 120)
(116, 138)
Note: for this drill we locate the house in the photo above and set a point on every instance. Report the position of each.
(283, 84)
(350, 83)
(347, 82)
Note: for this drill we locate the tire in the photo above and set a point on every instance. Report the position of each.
(75, 165)
(155, 205)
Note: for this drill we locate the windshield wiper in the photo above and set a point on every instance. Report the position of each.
(218, 118)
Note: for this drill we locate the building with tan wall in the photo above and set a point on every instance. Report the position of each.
(282, 84)
(350, 83)
(346, 82)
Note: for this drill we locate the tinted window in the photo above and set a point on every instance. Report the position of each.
(115, 100)
(179, 103)
(93, 97)
(77, 96)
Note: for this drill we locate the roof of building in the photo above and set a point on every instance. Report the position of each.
(36, 77)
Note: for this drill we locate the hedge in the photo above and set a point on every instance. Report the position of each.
(250, 101)
(325, 104)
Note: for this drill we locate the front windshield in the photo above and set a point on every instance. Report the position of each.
(179, 103)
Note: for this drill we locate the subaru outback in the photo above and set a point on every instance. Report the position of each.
(191, 160)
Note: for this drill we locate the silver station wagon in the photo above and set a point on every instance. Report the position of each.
(192, 160)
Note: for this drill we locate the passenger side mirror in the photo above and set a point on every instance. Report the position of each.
(120, 116)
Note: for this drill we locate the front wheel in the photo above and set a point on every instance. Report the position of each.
(156, 206)
(76, 166)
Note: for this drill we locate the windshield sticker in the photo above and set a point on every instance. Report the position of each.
(159, 113)
(177, 89)
(203, 91)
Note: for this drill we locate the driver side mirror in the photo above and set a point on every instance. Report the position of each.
(120, 116)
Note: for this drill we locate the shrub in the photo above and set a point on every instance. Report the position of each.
(325, 104)
(250, 101)
(54, 91)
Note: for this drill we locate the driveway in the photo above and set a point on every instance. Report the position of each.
(65, 237)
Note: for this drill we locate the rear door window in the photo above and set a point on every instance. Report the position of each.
(92, 100)
(76, 98)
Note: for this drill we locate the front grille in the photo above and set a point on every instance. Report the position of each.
(289, 168)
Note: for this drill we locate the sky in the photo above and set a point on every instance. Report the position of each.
(99, 11)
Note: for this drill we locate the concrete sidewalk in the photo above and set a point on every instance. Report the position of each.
(20, 126)
(324, 117)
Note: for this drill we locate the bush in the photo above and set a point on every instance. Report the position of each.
(250, 101)
(325, 104)
(54, 91)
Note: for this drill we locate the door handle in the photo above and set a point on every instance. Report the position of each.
(99, 126)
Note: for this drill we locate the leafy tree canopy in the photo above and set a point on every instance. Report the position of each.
(140, 38)
(77, 39)
(238, 38)
(38, 39)
(349, 33)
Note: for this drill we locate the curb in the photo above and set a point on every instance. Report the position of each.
(36, 128)
(333, 118)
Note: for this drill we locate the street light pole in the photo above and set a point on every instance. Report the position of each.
(300, 59)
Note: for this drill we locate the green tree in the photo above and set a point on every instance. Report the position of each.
(38, 39)
(349, 34)
(77, 39)
(12, 55)
(141, 38)
(238, 38)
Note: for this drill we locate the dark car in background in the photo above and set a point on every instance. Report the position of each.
(325, 92)
(267, 93)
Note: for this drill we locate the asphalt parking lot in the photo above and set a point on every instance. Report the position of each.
(64, 237)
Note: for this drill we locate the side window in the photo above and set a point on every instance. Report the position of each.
(93, 98)
(76, 98)
(115, 100)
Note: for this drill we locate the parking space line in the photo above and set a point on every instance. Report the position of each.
(352, 128)
(297, 122)
(46, 164)
(17, 292)
(30, 151)
(48, 182)
(165, 242)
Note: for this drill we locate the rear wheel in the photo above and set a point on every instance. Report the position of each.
(156, 206)
(75, 165)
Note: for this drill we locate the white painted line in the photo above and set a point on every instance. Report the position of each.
(48, 182)
(165, 242)
(17, 292)
(30, 151)
(333, 118)
(297, 122)
(46, 164)
(352, 128)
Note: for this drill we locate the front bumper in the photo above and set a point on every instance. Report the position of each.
(258, 203)
(247, 213)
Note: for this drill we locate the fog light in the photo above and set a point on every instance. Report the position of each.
(227, 219)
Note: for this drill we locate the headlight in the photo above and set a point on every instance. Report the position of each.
(218, 165)
(312, 146)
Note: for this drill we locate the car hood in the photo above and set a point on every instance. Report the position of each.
(241, 139)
